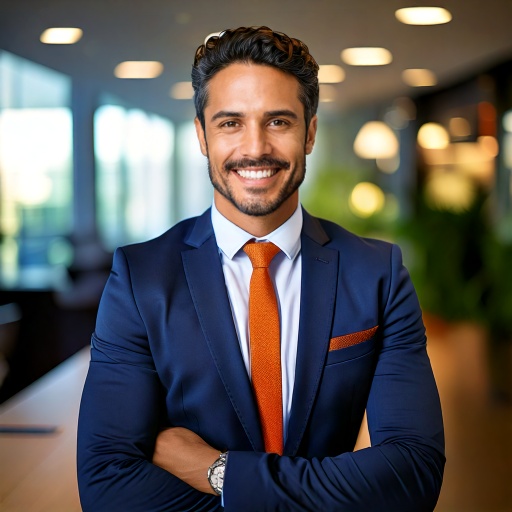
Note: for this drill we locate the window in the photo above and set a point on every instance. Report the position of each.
(134, 188)
(35, 169)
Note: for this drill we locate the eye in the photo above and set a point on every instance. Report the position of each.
(229, 124)
(278, 122)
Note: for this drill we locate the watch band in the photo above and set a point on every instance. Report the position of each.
(216, 473)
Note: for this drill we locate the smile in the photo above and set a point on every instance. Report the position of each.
(256, 175)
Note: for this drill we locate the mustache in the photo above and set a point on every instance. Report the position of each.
(264, 161)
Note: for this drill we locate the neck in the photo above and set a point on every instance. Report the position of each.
(257, 226)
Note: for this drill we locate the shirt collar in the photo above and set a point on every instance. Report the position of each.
(231, 238)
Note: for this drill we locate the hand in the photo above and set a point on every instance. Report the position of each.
(184, 454)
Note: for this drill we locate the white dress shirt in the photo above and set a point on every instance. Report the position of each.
(285, 272)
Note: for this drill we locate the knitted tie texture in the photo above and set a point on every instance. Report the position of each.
(264, 335)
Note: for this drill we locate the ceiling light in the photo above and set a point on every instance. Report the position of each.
(139, 69)
(331, 74)
(366, 56)
(376, 140)
(433, 136)
(61, 35)
(182, 91)
(419, 77)
(423, 15)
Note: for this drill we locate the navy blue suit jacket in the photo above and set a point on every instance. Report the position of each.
(165, 353)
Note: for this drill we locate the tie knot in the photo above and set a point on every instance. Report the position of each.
(260, 253)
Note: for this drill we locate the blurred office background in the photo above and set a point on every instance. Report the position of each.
(415, 148)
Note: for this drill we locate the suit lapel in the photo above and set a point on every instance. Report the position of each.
(203, 270)
(318, 292)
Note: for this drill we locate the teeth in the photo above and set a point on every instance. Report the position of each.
(256, 175)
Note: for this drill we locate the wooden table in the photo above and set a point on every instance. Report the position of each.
(38, 472)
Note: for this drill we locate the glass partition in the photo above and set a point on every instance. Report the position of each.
(134, 188)
(35, 172)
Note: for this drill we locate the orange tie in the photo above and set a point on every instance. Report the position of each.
(265, 343)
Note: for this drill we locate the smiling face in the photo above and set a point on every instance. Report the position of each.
(256, 143)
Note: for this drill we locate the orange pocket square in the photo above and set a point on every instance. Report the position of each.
(347, 340)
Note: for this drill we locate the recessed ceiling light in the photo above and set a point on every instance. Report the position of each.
(419, 77)
(423, 15)
(366, 56)
(182, 91)
(330, 74)
(61, 35)
(139, 69)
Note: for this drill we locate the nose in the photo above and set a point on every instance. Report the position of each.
(255, 141)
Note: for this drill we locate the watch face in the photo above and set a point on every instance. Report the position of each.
(217, 478)
(216, 474)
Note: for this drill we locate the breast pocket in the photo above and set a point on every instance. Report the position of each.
(351, 346)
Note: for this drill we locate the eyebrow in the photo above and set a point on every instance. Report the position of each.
(226, 113)
(272, 113)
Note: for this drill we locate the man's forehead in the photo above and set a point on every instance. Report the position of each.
(242, 86)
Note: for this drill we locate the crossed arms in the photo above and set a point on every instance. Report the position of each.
(125, 406)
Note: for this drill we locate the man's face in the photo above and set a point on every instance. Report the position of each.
(255, 140)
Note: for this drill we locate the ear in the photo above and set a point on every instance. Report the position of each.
(201, 137)
(311, 135)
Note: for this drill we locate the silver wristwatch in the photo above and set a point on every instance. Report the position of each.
(216, 473)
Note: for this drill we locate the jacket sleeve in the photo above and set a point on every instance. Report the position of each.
(401, 472)
(121, 412)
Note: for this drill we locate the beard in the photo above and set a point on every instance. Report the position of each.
(257, 205)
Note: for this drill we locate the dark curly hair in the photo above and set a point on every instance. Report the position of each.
(259, 45)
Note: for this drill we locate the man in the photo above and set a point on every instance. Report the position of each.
(178, 374)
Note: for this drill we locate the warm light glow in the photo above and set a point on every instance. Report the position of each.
(423, 15)
(182, 91)
(139, 69)
(507, 152)
(507, 121)
(366, 199)
(330, 74)
(366, 56)
(61, 35)
(328, 93)
(419, 77)
(433, 136)
(376, 140)
(459, 127)
(446, 190)
(489, 145)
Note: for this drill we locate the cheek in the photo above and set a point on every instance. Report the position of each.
(221, 150)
